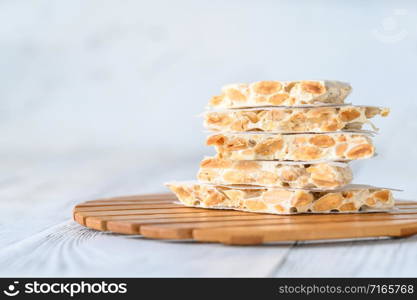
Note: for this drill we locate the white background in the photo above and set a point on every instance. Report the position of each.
(97, 76)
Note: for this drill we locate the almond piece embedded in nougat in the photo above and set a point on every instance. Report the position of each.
(281, 93)
(286, 120)
(327, 175)
(352, 198)
(294, 147)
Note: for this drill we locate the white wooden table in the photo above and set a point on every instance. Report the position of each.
(38, 237)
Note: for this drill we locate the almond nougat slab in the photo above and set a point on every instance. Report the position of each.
(284, 119)
(327, 175)
(294, 147)
(281, 93)
(353, 198)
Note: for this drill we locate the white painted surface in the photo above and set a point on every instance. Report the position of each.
(82, 80)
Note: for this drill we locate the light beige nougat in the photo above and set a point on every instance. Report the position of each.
(294, 147)
(312, 119)
(281, 93)
(326, 175)
(283, 201)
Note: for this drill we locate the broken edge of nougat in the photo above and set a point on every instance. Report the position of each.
(349, 199)
(288, 120)
(281, 93)
(294, 147)
(326, 175)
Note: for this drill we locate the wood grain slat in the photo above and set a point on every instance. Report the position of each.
(81, 216)
(136, 198)
(339, 230)
(108, 203)
(100, 222)
(399, 202)
(157, 216)
(127, 207)
(182, 230)
(133, 226)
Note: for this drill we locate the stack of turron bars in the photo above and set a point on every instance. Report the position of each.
(283, 148)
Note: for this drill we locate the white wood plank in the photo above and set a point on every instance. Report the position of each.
(69, 249)
(372, 258)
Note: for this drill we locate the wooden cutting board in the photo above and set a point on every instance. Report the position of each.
(158, 216)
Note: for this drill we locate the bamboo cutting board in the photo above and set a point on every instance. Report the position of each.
(157, 216)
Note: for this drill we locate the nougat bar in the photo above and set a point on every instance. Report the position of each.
(327, 175)
(293, 147)
(281, 93)
(353, 198)
(283, 119)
